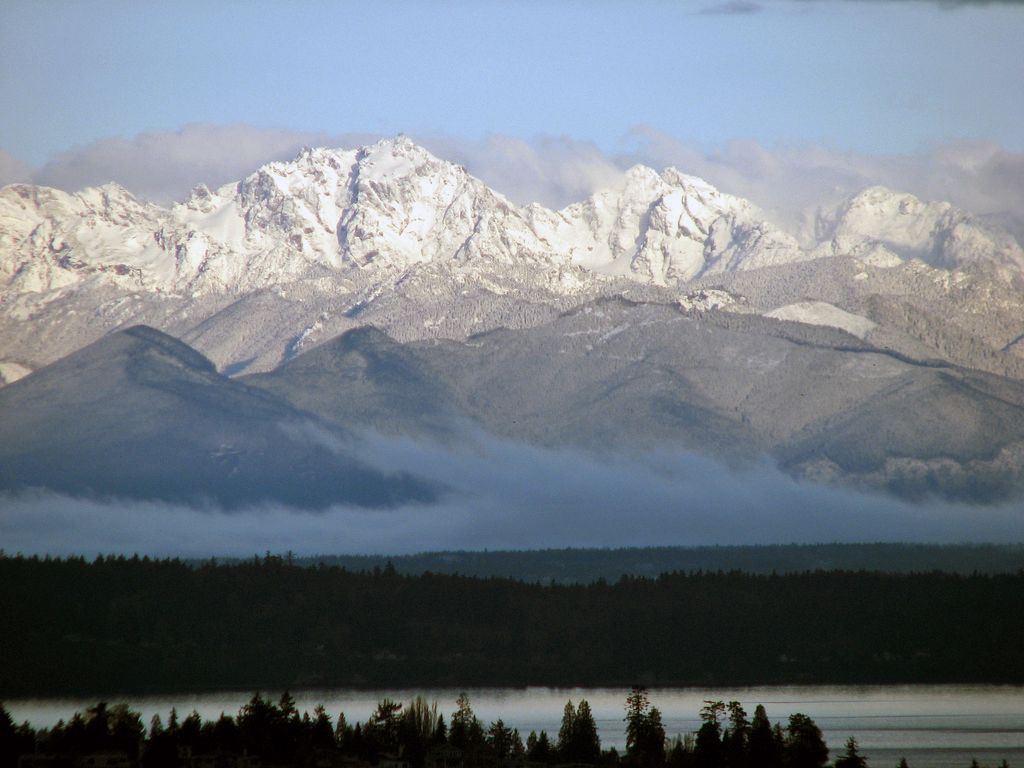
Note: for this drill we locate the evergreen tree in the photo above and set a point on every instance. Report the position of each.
(779, 737)
(383, 728)
(96, 732)
(645, 734)
(518, 752)
(655, 738)
(851, 758)
(191, 727)
(322, 736)
(260, 729)
(225, 734)
(805, 747)
(565, 733)
(539, 749)
(341, 731)
(127, 731)
(287, 706)
(734, 738)
(708, 751)
(13, 742)
(637, 705)
(578, 741)
(162, 750)
(586, 741)
(499, 740)
(172, 722)
(680, 753)
(289, 725)
(355, 744)
(764, 749)
(609, 758)
(466, 731)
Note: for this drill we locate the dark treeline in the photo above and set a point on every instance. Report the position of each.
(266, 734)
(583, 566)
(130, 625)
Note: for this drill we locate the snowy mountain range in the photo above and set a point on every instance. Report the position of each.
(391, 236)
(599, 301)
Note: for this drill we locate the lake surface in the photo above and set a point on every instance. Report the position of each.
(932, 726)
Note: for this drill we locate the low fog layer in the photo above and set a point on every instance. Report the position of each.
(511, 496)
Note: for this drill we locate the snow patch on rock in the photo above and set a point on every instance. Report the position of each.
(10, 372)
(823, 313)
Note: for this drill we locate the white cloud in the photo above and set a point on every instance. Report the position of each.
(164, 165)
(790, 182)
(552, 170)
(13, 170)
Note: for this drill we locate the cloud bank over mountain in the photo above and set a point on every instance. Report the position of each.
(792, 181)
(507, 495)
(789, 181)
(164, 166)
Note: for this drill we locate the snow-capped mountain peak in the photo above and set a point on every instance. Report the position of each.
(665, 228)
(387, 207)
(393, 207)
(887, 228)
(408, 207)
(392, 223)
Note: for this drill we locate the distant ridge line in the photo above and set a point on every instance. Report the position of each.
(587, 565)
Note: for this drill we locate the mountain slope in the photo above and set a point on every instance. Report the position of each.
(141, 415)
(615, 376)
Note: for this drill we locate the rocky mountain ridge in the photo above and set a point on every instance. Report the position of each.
(388, 235)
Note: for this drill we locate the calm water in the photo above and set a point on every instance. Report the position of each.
(932, 726)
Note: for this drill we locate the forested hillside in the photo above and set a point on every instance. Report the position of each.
(118, 625)
(582, 566)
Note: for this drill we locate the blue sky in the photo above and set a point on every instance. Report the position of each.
(791, 103)
(875, 77)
